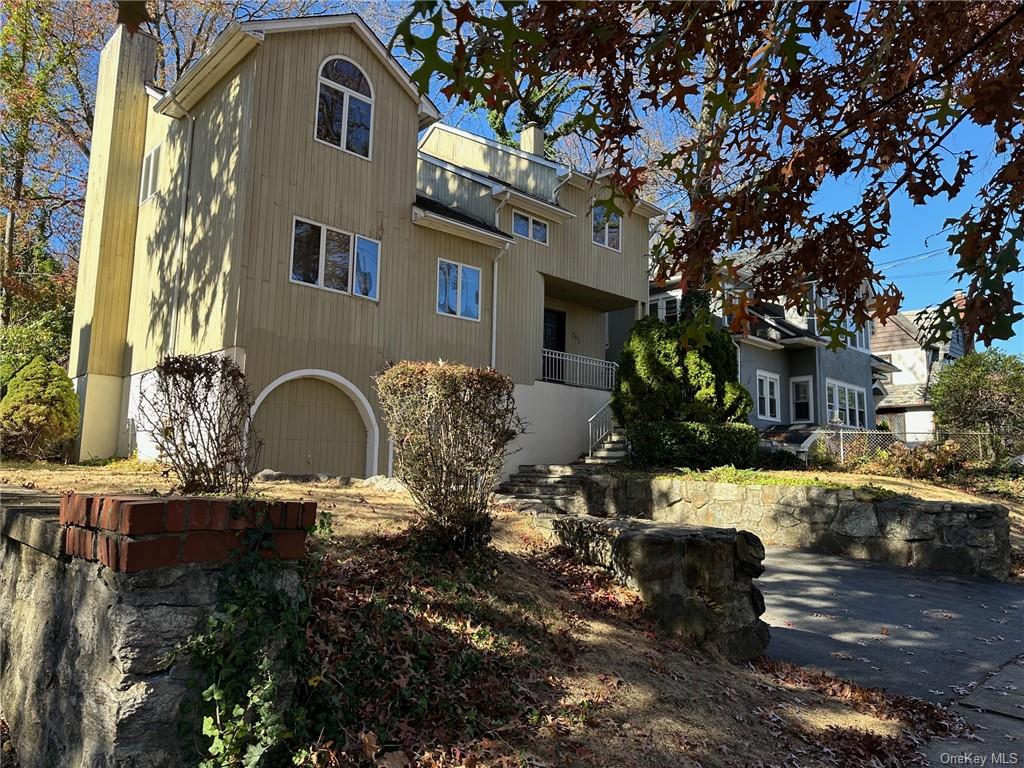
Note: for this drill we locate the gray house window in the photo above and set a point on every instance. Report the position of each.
(768, 396)
(801, 402)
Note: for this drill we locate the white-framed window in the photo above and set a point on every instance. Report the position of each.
(335, 260)
(860, 337)
(665, 309)
(768, 396)
(529, 227)
(607, 227)
(458, 290)
(801, 399)
(150, 174)
(344, 107)
(845, 404)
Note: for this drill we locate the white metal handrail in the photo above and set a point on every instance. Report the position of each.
(599, 426)
(577, 370)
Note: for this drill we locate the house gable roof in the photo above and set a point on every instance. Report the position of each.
(238, 39)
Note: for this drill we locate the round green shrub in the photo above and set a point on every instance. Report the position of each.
(685, 371)
(39, 413)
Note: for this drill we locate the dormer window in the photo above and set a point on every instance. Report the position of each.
(607, 227)
(344, 115)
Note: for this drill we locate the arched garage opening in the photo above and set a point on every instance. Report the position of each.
(315, 421)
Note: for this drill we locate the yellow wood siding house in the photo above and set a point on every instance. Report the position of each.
(294, 202)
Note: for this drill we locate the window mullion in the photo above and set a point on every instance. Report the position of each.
(323, 255)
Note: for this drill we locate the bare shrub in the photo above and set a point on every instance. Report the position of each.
(450, 425)
(199, 414)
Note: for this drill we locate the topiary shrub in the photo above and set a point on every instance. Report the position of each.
(39, 412)
(693, 445)
(450, 425)
(685, 371)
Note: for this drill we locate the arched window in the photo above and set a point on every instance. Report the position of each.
(344, 114)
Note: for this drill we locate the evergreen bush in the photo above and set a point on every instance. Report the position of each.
(693, 445)
(39, 412)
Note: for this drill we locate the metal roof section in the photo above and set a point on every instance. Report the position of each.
(432, 214)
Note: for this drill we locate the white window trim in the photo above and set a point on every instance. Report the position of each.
(593, 207)
(810, 399)
(531, 218)
(768, 375)
(458, 291)
(147, 160)
(836, 383)
(353, 237)
(321, 80)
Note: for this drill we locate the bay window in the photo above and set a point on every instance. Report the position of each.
(846, 404)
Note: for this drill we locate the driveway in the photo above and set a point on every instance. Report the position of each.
(936, 636)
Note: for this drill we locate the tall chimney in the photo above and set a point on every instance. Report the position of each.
(531, 139)
(107, 253)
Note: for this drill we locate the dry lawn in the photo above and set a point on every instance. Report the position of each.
(622, 693)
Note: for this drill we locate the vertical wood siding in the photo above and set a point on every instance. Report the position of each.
(456, 191)
(108, 227)
(311, 427)
(518, 171)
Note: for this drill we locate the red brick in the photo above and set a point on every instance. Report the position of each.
(107, 550)
(288, 545)
(69, 542)
(176, 509)
(67, 508)
(276, 514)
(198, 514)
(219, 514)
(147, 554)
(87, 550)
(109, 517)
(209, 546)
(142, 517)
(293, 515)
(308, 514)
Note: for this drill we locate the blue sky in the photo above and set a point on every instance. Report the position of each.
(915, 231)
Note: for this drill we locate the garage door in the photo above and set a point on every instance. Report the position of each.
(309, 426)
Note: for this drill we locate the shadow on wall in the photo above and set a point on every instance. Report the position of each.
(184, 274)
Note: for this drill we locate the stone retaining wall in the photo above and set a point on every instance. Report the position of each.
(698, 582)
(94, 596)
(946, 536)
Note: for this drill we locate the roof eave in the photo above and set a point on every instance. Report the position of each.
(431, 220)
(230, 47)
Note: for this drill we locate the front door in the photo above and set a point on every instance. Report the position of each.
(554, 339)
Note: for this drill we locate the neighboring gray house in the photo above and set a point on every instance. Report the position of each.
(796, 382)
(904, 340)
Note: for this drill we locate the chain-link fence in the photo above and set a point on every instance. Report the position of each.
(849, 446)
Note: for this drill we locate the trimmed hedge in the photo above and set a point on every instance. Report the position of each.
(691, 444)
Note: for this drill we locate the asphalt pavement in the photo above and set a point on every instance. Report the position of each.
(947, 638)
